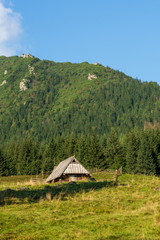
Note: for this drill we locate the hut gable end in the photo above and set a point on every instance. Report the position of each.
(75, 168)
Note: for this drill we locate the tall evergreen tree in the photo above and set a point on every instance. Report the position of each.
(3, 165)
(28, 159)
(145, 161)
(50, 154)
(81, 149)
(132, 146)
(95, 153)
(10, 156)
(154, 142)
(115, 156)
(70, 143)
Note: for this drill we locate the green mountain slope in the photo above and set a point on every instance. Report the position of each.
(43, 99)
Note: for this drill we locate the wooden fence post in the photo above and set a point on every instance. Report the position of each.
(115, 179)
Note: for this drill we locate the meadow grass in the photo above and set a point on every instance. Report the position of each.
(98, 210)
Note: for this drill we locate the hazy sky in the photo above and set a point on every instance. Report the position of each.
(121, 34)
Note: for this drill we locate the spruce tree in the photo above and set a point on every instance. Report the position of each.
(70, 143)
(145, 161)
(132, 146)
(50, 154)
(82, 150)
(11, 160)
(154, 142)
(3, 165)
(115, 156)
(95, 153)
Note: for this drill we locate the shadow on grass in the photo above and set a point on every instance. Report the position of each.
(49, 192)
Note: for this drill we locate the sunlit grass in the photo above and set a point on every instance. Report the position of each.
(90, 210)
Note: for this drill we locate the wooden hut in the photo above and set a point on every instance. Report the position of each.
(68, 170)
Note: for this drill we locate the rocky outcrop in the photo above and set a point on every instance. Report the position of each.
(4, 82)
(31, 69)
(26, 56)
(22, 85)
(5, 72)
(91, 76)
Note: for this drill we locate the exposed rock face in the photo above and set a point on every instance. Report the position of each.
(95, 63)
(91, 76)
(31, 69)
(26, 56)
(4, 82)
(22, 85)
(5, 72)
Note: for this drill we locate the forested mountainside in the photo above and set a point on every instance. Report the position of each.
(50, 111)
(44, 99)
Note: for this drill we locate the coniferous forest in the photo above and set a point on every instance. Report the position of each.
(50, 111)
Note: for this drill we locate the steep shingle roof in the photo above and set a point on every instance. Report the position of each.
(67, 167)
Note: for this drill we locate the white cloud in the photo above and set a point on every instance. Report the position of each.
(10, 30)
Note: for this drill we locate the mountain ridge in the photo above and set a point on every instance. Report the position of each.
(43, 99)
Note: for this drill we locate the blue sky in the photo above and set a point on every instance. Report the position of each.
(121, 34)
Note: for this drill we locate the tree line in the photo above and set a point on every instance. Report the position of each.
(138, 152)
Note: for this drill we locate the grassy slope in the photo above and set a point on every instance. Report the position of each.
(97, 210)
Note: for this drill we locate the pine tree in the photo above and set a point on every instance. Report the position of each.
(145, 161)
(132, 146)
(50, 154)
(95, 153)
(3, 165)
(11, 160)
(114, 152)
(70, 143)
(28, 159)
(154, 142)
(62, 149)
(82, 150)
